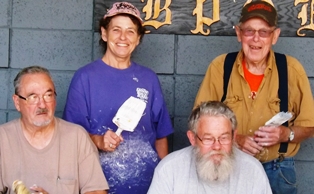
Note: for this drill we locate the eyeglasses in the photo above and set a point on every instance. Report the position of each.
(34, 98)
(262, 32)
(223, 140)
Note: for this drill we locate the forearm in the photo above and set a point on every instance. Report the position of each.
(98, 140)
(162, 147)
(302, 133)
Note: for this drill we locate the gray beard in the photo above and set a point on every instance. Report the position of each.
(42, 124)
(209, 170)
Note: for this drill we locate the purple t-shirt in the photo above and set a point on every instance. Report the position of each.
(96, 92)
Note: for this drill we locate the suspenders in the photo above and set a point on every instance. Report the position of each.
(281, 63)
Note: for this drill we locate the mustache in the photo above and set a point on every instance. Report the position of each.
(42, 111)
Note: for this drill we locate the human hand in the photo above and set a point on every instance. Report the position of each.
(38, 190)
(247, 144)
(271, 135)
(111, 141)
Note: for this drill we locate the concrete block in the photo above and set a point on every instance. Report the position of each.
(53, 14)
(305, 177)
(59, 50)
(4, 12)
(62, 81)
(180, 139)
(156, 52)
(306, 150)
(195, 53)
(97, 50)
(167, 85)
(186, 88)
(299, 48)
(4, 88)
(312, 84)
(4, 46)
(3, 117)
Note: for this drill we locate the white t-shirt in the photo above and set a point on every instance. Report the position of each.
(176, 174)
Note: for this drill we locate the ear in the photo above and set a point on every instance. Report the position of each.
(276, 36)
(235, 134)
(103, 34)
(191, 137)
(238, 32)
(16, 102)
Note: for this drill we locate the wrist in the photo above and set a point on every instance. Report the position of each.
(291, 134)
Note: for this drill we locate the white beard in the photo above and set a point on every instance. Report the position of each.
(210, 170)
(42, 123)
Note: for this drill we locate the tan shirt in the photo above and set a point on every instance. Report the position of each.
(251, 114)
(69, 164)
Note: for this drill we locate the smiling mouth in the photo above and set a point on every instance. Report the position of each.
(255, 47)
(122, 45)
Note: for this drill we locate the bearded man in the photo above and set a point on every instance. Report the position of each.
(213, 163)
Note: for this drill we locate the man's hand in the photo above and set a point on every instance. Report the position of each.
(271, 135)
(247, 144)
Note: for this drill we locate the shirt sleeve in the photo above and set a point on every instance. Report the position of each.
(76, 110)
(160, 115)
(91, 176)
(300, 95)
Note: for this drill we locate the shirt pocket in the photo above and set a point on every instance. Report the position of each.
(274, 105)
(67, 186)
(235, 103)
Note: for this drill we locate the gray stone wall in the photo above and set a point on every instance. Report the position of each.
(59, 36)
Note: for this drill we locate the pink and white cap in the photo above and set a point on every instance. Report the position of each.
(123, 8)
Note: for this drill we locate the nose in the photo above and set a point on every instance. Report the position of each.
(123, 35)
(256, 36)
(216, 145)
(41, 102)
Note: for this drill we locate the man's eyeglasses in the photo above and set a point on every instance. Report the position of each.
(34, 98)
(223, 140)
(262, 32)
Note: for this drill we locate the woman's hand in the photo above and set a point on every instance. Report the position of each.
(107, 142)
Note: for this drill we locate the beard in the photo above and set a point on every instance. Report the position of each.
(42, 123)
(46, 121)
(210, 169)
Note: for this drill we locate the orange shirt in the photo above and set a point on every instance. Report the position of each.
(253, 80)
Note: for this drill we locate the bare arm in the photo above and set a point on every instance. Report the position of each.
(301, 133)
(162, 147)
(270, 135)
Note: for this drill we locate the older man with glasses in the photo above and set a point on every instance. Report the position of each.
(40, 153)
(212, 164)
(257, 83)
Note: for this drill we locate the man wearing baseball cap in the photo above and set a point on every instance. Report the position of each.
(260, 84)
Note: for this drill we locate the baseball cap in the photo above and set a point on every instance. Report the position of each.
(123, 8)
(260, 9)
